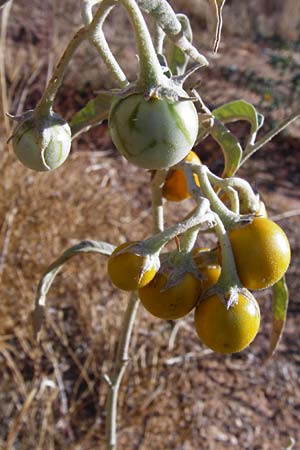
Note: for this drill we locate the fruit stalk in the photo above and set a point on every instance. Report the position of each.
(229, 277)
(44, 106)
(228, 217)
(200, 215)
(151, 74)
(157, 201)
(97, 37)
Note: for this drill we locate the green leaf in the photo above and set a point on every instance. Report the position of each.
(177, 59)
(239, 110)
(45, 283)
(260, 120)
(280, 304)
(93, 113)
(231, 147)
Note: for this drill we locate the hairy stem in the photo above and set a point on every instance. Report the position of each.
(45, 104)
(151, 74)
(189, 239)
(120, 366)
(227, 216)
(93, 31)
(200, 215)
(97, 38)
(229, 276)
(157, 201)
(122, 357)
(158, 40)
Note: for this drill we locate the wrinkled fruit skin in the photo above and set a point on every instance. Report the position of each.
(175, 188)
(227, 330)
(126, 270)
(42, 146)
(171, 303)
(154, 133)
(261, 251)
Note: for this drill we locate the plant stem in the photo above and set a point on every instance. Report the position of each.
(229, 276)
(94, 32)
(200, 215)
(151, 74)
(97, 38)
(247, 197)
(158, 40)
(122, 357)
(189, 239)
(157, 201)
(120, 366)
(228, 217)
(45, 104)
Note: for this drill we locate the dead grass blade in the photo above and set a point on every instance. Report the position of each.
(4, 98)
(17, 423)
(8, 223)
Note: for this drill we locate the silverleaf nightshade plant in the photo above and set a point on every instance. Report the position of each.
(154, 123)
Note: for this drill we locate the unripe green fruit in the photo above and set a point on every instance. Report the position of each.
(42, 144)
(154, 133)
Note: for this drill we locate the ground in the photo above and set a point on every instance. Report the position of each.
(176, 394)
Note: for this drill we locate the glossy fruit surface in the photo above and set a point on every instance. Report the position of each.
(261, 251)
(175, 187)
(154, 133)
(129, 271)
(42, 146)
(227, 330)
(173, 302)
(210, 272)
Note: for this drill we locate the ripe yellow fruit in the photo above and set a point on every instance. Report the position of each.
(227, 330)
(173, 302)
(128, 270)
(261, 251)
(175, 187)
(210, 272)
